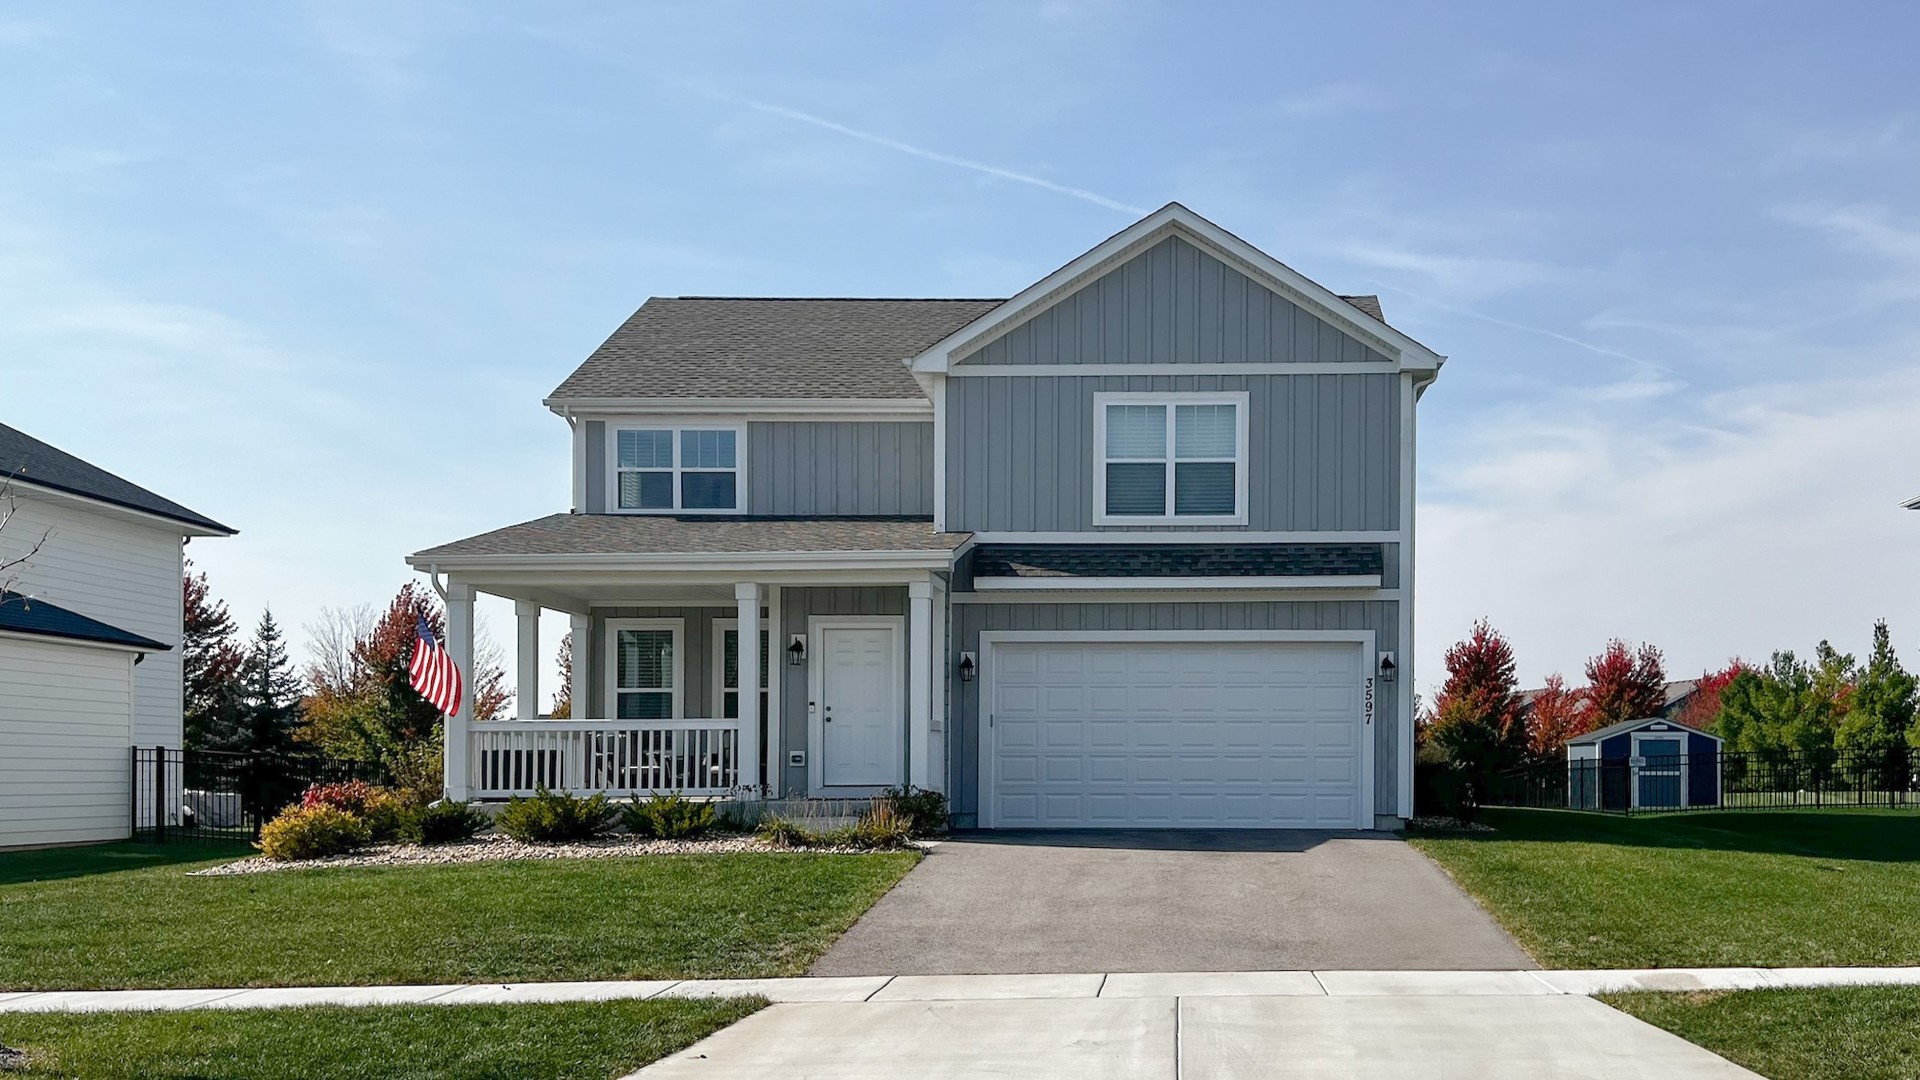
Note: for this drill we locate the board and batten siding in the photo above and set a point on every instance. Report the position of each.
(123, 572)
(1323, 450)
(795, 605)
(836, 468)
(1380, 616)
(64, 732)
(1174, 304)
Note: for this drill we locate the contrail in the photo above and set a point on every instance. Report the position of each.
(923, 153)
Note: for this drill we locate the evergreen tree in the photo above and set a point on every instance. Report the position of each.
(210, 665)
(1788, 705)
(1881, 707)
(270, 692)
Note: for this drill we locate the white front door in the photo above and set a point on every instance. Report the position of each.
(861, 704)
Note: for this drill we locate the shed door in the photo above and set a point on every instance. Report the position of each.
(1663, 761)
(1175, 734)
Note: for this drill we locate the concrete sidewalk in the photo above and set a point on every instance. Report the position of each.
(894, 989)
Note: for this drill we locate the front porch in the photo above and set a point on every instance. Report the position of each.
(848, 702)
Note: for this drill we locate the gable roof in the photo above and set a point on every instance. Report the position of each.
(24, 615)
(1608, 732)
(1345, 313)
(31, 461)
(768, 347)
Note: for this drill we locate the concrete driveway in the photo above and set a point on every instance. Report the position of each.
(1011, 902)
(1199, 1038)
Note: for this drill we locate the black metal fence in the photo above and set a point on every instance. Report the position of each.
(1724, 780)
(213, 795)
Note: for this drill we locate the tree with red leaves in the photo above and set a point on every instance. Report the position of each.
(1702, 709)
(1555, 715)
(371, 712)
(1476, 716)
(1624, 683)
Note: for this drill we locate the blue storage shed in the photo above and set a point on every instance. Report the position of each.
(1647, 764)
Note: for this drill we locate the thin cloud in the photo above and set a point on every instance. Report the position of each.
(925, 154)
(1644, 365)
(1331, 98)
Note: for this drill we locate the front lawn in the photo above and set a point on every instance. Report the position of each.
(1770, 888)
(585, 1041)
(126, 916)
(1844, 1033)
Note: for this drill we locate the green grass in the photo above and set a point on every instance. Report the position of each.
(594, 1040)
(1845, 1033)
(1769, 888)
(129, 916)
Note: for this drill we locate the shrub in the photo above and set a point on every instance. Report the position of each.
(443, 823)
(881, 828)
(926, 808)
(386, 814)
(313, 832)
(668, 817)
(550, 817)
(783, 832)
(351, 796)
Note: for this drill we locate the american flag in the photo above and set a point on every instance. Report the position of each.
(432, 672)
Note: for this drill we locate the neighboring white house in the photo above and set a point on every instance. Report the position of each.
(90, 630)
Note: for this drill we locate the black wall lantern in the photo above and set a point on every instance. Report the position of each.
(797, 650)
(1387, 667)
(966, 667)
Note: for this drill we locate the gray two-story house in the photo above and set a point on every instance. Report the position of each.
(1132, 548)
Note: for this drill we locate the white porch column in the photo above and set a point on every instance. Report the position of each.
(455, 743)
(919, 683)
(746, 596)
(581, 627)
(526, 696)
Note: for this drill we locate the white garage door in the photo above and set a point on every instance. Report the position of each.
(1212, 734)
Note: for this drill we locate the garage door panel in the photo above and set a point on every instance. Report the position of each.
(1244, 734)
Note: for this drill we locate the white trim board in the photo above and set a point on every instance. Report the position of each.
(964, 370)
(1176, 596)
(1364, 639)
(1196, 536)
(1138, 584)
(816, 674)
(797, 409)
(677, 470)
(1175, 219)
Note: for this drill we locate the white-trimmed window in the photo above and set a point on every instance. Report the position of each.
(644, 669)
(674, 469)
(1177, 458)
(728, 688)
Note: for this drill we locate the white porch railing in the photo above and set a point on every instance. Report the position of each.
(519, 757)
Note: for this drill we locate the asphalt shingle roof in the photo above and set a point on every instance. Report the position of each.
(614, 534)
(38, 463)
(752, 347)
(24, 615)
(1175, 560)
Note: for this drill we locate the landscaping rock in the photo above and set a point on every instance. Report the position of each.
(12, 1060)
(499, 848)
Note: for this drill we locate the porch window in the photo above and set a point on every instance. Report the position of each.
(730, 672)
(677, 469)
(1171, 458)
(646, 671)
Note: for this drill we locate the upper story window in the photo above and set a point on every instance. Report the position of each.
(1170, 458)
(677, 469)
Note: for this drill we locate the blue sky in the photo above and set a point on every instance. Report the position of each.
(310, 269)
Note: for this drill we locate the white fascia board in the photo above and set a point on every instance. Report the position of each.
(1912, 504)
(783, 408)
(1150, 229)
(146, 517)
(1068, 584)
(1175, 596)
(83, 643)
(689, 562)
(1196, 536)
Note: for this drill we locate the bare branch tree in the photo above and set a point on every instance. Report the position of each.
(13, 567)
(331, 637)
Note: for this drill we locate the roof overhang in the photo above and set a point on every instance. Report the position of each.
(1175, 219)
(772, 408)
(688, 563)
(1068, 584)
(84, 642)
(1913, 503)
(145, 517)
